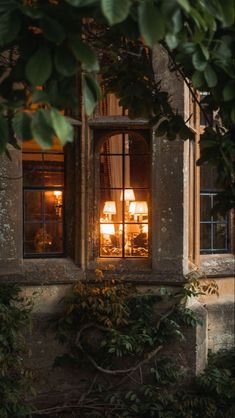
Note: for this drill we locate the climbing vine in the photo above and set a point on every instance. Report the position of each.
(15, 379)
(121, 337)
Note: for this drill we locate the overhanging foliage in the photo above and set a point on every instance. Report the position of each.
(45, 44)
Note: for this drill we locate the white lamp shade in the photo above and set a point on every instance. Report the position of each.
(57, 193)
(128, 195)
(110, 207)
(107, 229)
(132, 207)
(141, 208)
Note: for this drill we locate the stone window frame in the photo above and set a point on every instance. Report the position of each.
(42, 189)
(212, 265)
(100, 129)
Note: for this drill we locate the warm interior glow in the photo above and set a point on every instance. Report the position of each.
(132, 207)
(145, 228)
(109, 207)
(107, 229)
(128, 195)
(140, 208)
(57, 193)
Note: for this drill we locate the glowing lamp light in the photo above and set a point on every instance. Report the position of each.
(141, 208)
(107, 229)
(110, 207)
(57, 193)
(128, 195)
(145, 229)
(58, 202)
(132, 207)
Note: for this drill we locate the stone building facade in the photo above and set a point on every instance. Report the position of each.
(168, 222)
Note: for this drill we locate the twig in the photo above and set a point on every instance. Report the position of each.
(189, 85)
(120, 371)
(163, 317)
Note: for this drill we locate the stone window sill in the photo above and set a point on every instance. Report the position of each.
(218, 265)
(45, 271)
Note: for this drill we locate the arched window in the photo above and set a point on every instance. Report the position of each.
(124, 196)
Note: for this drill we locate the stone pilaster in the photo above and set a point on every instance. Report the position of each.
(11, 213)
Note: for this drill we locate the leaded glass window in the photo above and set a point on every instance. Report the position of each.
(124, 196)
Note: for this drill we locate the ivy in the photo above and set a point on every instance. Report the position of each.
(15, 380)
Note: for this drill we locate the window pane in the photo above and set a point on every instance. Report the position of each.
(206, 243)
(111, 172)
(33, 170)
(208, 178)
(113, 145)
(137, 210)
(136, 240)
(54, 233)
(54, 170)
(220, 239)
(110, 240)
(53, 202)
(33, 201)
(32, 241)
(110, 205)
(206, 207)
(135, 144)
(137, 171)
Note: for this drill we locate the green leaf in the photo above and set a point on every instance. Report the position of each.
(41, 129)
(210, 76)
(199, 61)
(10, 25)
(162, 128)
(172, 41)
(22, 126)
(81, 3)
(229, 91)
(4, 133)
(184, 4)
(232, 114)
(205, 52)
(228, 8)
(52, 30)
(151, 22)
(62, 127)
(91, 94)
(33, 12)
(188, 47)
(84, 54)
(115, 11)
(39, 67)
(65, 61)
(198, 79)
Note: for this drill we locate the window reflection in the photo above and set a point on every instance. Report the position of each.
(124, 196)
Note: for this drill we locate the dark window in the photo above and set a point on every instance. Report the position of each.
(214, 228)
(206, 115)
(43, 191)
(124, 196)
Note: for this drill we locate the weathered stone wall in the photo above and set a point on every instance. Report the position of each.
(11, 213)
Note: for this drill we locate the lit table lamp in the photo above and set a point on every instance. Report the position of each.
(107, 230)
(138, 209)
(58, 202)
(128, 195)
(109, 209)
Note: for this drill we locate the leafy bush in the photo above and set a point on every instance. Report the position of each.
(14, 378)
(122, 335)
